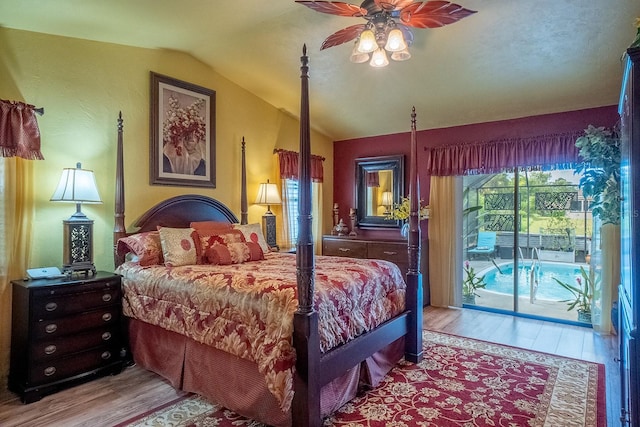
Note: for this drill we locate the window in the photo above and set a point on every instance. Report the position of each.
(290, 197)
(290, 204)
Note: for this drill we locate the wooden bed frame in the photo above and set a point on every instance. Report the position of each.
(310, 362)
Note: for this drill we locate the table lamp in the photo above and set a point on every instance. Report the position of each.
(77, 186)
(268, 195)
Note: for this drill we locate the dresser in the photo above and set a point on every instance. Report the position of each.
(64, 331)
(389, 250)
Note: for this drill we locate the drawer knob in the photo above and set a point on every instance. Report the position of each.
(106, 297)
(344, 249)
(106, 317)
(106, 355)
(48, 371)
(50, 349)
(51, 306)
(106, 336)
(390, 253)
(51, 328)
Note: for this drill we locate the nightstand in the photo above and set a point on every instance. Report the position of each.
(64, 331)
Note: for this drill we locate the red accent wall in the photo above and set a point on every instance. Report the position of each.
(346, 151)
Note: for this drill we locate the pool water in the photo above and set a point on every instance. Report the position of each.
(502, 281)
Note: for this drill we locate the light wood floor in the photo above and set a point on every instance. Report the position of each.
(110, 400)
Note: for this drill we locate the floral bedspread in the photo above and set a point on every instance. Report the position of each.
(247, 309)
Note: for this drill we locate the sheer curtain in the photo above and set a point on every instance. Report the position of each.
(444, 256)
(16, 216)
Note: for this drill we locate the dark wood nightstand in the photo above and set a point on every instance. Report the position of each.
(64, 331)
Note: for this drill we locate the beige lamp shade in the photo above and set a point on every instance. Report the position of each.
(268, 195)
(77, 185)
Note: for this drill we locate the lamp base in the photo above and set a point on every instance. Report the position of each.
(78, 245)
(269, 228)
(86, 267)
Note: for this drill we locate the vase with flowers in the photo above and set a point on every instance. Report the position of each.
(471, 283)
(402, 211)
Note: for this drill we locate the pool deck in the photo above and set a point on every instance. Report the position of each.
(545, 308)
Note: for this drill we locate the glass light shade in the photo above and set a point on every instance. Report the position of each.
(402, 55)
(77, 185)
(395, 41)
(358, 57)
(367, 43)
(268, 194)
(379, 58)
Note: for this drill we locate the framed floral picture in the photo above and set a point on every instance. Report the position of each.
(183, 133)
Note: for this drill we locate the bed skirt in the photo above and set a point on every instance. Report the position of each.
(236, 383)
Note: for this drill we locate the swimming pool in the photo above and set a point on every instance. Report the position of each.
(502, 281)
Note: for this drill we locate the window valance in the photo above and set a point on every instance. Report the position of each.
(553, 151)
(19, 133)
(289, 165)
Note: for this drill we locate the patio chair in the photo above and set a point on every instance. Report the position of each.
(486, 245)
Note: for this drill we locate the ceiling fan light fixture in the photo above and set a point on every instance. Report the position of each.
(367, 43)
(379, 58)
(388, 25)
(358, 57)
(402, 55)
(395, 41)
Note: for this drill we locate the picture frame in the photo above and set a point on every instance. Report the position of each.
(183, 133)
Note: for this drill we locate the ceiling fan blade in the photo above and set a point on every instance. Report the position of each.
(334, 8)
(433, 14)
(391, 5)
(343, 36)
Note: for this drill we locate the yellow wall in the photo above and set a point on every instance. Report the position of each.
(82, 86)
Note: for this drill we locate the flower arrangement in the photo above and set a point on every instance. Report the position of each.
(182, 122)
(471, 282)
(402, 210)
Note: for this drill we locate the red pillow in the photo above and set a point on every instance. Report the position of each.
(205, 240)
(233, 253)
(146, 247)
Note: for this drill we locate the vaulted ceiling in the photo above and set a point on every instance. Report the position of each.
(511, 59)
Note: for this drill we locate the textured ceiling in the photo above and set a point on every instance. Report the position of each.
(511, 59)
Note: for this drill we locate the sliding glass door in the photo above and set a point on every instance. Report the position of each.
(526, 242)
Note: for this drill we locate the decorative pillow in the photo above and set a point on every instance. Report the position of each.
(253, 233)
(178, 246)
(146, 247)
(233, 253)
(205, 240)
(211, 227)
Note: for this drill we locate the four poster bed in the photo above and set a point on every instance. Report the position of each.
(284, 339)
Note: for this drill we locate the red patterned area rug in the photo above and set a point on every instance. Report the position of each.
(461, 382)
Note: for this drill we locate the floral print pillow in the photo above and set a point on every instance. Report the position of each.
(145, 248)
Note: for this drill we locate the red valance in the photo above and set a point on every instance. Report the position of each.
(289, 165)
(555, 151)
(19, 133)
(373, 179)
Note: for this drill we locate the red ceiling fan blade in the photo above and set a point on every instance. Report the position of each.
(391, 5)
(343, 36)
(433, 14)
(334, 8)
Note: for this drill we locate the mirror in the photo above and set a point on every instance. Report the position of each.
(379, 185)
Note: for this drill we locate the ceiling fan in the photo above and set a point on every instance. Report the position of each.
(387, 25)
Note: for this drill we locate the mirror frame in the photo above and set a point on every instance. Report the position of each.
(371, 164)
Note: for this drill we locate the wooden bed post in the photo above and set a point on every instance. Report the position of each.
(119, 230)
(305, 408)
(243, 189)
(413, 340)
